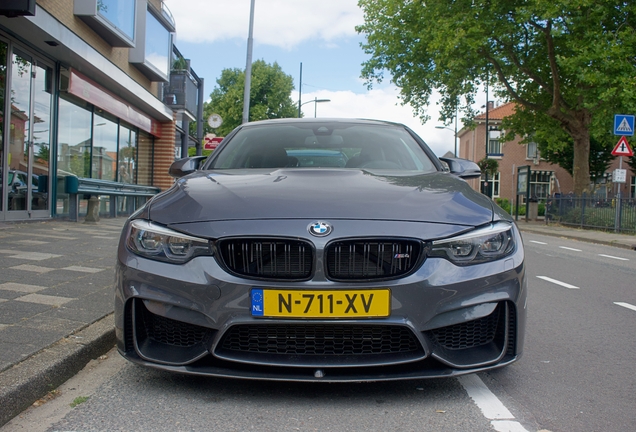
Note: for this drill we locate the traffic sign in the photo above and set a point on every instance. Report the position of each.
(623, 124)
(211, 142)
(622, 148)
(619, 176)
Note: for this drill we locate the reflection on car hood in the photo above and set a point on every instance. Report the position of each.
(290, 193)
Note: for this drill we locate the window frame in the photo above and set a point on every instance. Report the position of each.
(88, 11)
(138, 55)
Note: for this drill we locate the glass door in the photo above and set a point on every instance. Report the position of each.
(27, 155)
(3, 83)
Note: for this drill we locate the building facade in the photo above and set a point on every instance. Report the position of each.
(545, 179)
(87, 90)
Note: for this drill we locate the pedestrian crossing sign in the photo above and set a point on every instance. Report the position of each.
(623, 125)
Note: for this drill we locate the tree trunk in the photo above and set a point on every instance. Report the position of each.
(581, 163)
(577, 125)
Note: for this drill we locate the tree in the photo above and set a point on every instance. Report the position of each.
(488, 166)
(632, 164)
(567, 61)
(556, 147)
(489, 169)
(270, 96)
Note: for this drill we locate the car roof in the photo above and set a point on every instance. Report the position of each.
(322, 120)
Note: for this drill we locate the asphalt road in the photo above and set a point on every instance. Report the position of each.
(577, 374)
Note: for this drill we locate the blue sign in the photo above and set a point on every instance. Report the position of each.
(257, 302)
(623, 124)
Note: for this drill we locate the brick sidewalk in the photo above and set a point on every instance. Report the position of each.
(56, 278)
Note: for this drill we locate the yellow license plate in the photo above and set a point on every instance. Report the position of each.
(320, 304)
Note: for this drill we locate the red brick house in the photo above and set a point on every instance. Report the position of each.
(546, 179)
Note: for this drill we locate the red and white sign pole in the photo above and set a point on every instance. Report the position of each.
(621, 149)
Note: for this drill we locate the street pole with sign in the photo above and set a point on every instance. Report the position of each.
(623, 126)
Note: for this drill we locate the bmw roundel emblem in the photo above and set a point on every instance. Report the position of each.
(320, 229)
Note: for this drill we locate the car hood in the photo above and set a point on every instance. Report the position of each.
(292, 193)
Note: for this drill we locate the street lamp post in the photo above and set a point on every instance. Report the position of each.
(454, 132)
(248, 68)
(316, 101)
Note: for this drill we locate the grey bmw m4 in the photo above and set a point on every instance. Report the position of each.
(328, 250)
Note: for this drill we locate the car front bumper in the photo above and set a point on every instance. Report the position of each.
(445, 320)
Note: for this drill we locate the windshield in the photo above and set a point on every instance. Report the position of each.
(329, 144)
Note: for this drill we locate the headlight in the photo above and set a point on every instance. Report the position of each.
(483, 244)
(163, 244)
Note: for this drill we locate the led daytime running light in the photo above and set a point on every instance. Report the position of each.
(481, 245)
(156, 242)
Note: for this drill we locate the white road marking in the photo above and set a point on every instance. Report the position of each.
(572, 249)
(554, 281)
(614, 257)
(626, 305)
(507, 426)
(492, 408)
(538, 242)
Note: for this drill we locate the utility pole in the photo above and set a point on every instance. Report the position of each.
(248, 68)
(488, 193)
(300, 89)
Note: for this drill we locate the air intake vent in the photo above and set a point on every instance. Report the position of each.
(268, 258)
(472, 333)
(171, 332)
(371, 259)
(326, 340)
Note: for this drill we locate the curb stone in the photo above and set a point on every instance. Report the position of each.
(34, 377)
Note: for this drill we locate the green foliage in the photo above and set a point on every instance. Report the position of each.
(179, 64)
(567, 61)
(489, 166)
(604, 218)
(557, 148)
(270, 96)
(509, 208)
(632, 163)
(80, 165)
(192, 151)
(79, 400)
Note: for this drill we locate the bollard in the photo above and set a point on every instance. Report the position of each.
(92, 211)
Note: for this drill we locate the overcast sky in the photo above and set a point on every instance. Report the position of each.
(319, 34)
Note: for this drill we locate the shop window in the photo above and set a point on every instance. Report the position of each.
(127, 159)
(3, 74)
(144, 159)
(74, 139)
(104, 156)
(96, 144)
(113, 20)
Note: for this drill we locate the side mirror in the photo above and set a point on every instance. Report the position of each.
(462, 167)
(185, 166)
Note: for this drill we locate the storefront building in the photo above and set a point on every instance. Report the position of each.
(83, 95)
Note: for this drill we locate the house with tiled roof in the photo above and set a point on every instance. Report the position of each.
(545, 178)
